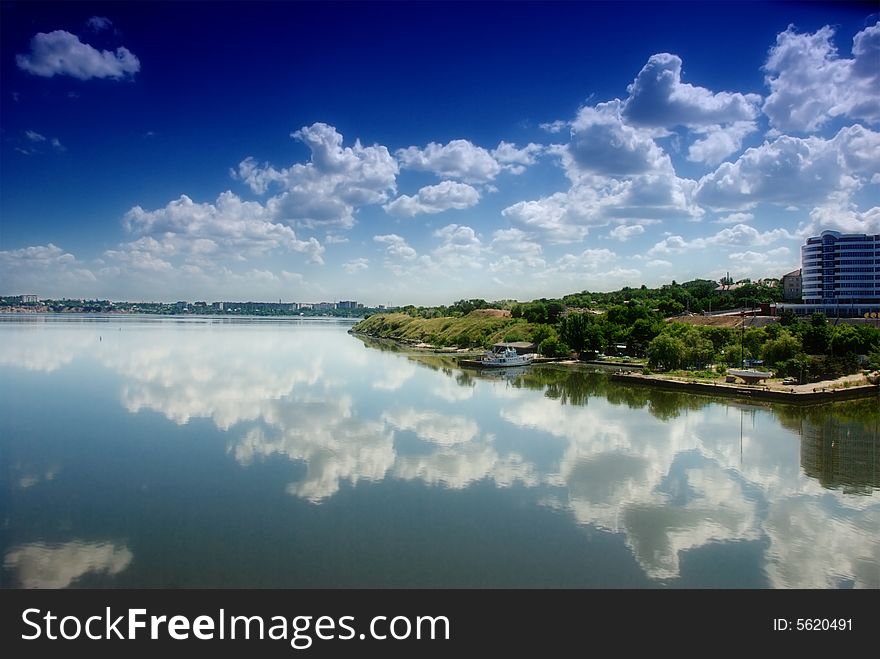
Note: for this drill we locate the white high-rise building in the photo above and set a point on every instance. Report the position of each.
(841, 268)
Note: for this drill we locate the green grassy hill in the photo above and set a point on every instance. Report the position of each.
(472, 331)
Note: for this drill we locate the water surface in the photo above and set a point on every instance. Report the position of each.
(146, 452)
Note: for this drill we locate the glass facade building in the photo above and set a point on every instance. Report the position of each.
(841, 268)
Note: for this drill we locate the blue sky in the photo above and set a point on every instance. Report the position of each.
(425, 152)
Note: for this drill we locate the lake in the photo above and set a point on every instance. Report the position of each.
(228, 452)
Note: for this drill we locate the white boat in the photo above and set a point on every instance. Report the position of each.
(504, 357)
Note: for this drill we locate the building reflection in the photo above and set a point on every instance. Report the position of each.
(841, 454)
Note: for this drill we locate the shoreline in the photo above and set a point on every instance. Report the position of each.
(819, 392)
(802, 395)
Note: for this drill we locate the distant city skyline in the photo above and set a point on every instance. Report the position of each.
(423, 153)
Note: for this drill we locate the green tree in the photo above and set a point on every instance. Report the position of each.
(780, 349)
(846, 340)
(641, 334)
(698, 350)
(580, 332)
(816, 335)
(553, 347)
(666, 352)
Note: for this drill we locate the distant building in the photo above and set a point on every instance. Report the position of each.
(347, 304)
(217, 306)
(791, 286)
(840, 268)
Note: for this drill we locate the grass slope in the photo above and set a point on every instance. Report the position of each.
(471, 331)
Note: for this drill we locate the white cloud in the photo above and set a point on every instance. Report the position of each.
(658, 98)
(565, 217)
(444, 196)
(460, 246)
(603, 144)
(228, 228)
(34, 136)
(842, 218)
(517, 250)
(325, 191)
(62, 53)
(810, 84)
(516, 253)
(735, 218)
(516, 160)
(589, 259)
(719, 142)
(562, 217)
(755, 265)
(396, 246)
(793, 170)
(626, 231)
(741, 234)
(554, 126)
(458, 159)
(40, 254)
(355, 265)
(56, 144)
(658, 263)
(45, 270)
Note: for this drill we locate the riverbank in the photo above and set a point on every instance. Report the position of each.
(846, 388)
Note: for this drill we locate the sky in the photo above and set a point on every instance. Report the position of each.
(420, 153)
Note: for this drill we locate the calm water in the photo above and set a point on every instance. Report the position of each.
(207, 453)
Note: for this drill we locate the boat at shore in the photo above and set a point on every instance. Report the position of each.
(499, 357)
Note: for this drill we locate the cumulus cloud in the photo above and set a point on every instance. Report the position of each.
(735, 218)
(355, 265)
(658, 98)
(40, 254)
(793, 170)
(516, 160)
(516, 252)
(554, 126)
(565, 217)
(396, 246)
(62, 53)
(602, 143)
(229, 227)
(47, 269)
(758, 264)
(325, 191)
(842, 217)
(626, 231)
(719, 142)
(435, 199)
(741, 234)
(459, 246)
(810, 84)
(459, 159)
(464, 160)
